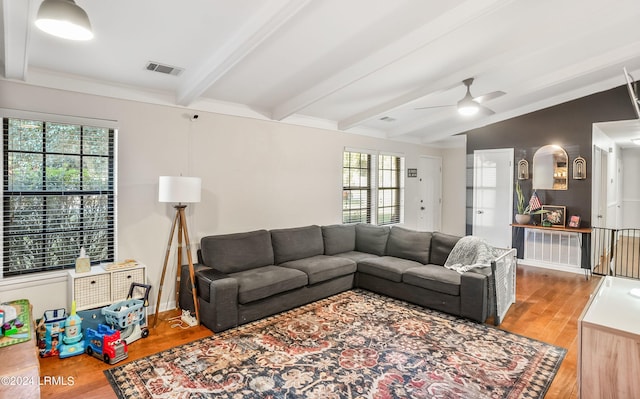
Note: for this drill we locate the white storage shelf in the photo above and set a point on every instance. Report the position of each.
(100, 287)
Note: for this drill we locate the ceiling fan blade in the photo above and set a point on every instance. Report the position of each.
(485, 111)
(436, 106)
(489, 96)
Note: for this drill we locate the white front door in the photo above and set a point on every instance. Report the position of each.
(430, 194)
(493, 195)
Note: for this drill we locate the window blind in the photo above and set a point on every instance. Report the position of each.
(58, 194)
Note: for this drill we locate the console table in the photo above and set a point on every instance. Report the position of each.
(560, 248)
(609, 341)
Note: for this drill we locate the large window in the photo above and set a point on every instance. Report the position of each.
(372, 188)
(58, 195)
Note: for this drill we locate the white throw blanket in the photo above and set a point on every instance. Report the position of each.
(471, 252)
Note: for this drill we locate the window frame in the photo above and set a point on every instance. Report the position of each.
(375, 188)
(108, 196)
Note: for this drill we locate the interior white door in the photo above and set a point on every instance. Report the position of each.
(430, 194)
(493, 195)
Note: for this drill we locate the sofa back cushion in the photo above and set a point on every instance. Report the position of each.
(441, 246)
(232, 253)
(371, 239)
(296, 243)
(339, 238)
(409, 244)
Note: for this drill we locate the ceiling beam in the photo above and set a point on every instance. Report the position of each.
(440, 26)
(266, 22)
(15, 18)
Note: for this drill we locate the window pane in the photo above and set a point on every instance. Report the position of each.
(24, 172)
(63, 212)
(63, 138)
(95, 174)
(356, 184)
(95, 141)
(63, 173)
(25, 135)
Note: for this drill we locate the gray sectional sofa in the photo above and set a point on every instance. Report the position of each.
(247, 276)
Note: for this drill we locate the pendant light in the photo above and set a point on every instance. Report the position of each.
(65, 19)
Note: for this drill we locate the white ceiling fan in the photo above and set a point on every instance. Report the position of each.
(470, 105)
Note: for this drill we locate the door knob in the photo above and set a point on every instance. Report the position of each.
(422, 208)
(480, 212)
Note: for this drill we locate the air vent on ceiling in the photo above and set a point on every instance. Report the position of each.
(166, 69)
(387, 119)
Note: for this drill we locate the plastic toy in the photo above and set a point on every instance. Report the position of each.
(9, 324)
(129, 316)
(106, 344)
(49, 331)
(72, 343)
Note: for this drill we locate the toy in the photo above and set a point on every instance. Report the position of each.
(48, 332)
(72, 343)
(106, 344)
(129, 316)
(9, 324)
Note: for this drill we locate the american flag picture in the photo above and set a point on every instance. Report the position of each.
(534, 202)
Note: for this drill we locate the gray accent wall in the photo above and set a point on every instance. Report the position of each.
(568, 125)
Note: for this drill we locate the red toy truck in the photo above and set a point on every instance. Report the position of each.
(106, 344)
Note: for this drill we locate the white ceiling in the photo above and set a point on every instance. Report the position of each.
(336, 63)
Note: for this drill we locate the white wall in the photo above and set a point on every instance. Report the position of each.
(255, 174)
(630, 188)
(454, 169)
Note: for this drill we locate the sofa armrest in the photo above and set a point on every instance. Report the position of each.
(474, 289)
(217, 297)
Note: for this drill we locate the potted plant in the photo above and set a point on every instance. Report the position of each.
(524, 209)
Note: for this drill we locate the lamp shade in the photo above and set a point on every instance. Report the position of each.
(65, 19)
(179, 189)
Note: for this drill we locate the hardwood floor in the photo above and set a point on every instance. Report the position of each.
(548, 304)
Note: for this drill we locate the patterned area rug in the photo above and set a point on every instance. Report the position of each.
(352, 345)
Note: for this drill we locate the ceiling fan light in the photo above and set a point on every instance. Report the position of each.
(468, 107)
(65, 19)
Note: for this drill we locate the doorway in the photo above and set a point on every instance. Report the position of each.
(493, 196)
(430, 194)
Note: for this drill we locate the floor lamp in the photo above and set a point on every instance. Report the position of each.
(180, 190)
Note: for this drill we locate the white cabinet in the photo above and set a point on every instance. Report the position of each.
(101, 287)
(609, 341)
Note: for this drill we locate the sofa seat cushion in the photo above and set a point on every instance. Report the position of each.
(263, 282)
(321, 267)
(387, 267)
(435, 278)
(356, 256)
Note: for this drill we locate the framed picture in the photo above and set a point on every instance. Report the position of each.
(574, 221)
(554, 215)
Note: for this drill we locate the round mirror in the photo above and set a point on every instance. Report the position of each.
(550, 168)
